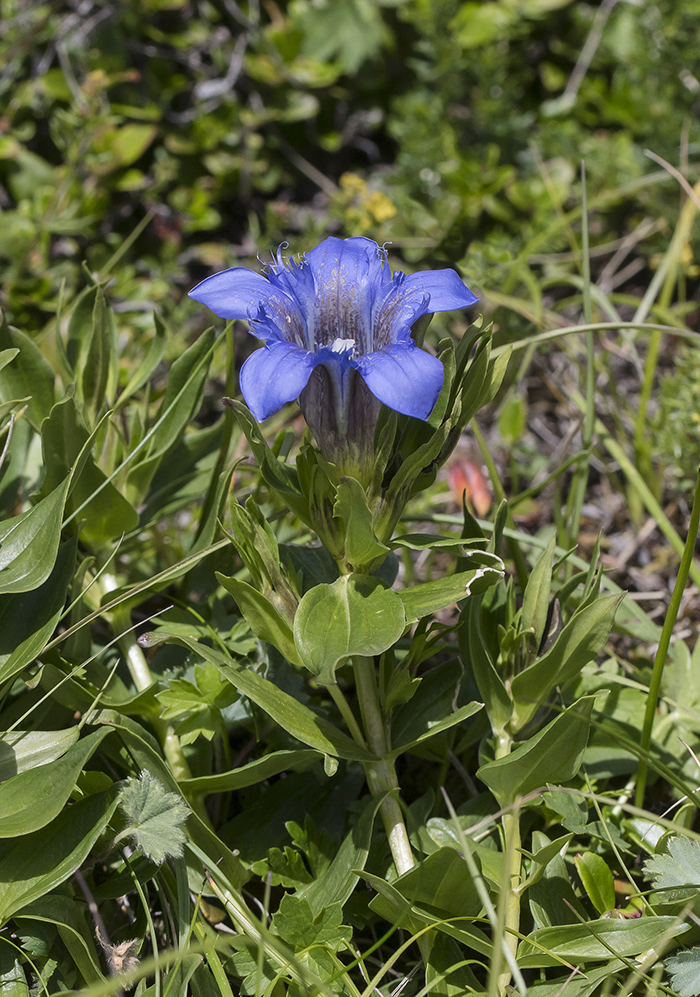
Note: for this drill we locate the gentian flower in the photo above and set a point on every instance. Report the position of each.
(337, 332)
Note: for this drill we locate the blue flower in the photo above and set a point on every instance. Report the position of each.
(340, 308)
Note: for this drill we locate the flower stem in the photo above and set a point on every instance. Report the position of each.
(381, 775)
(508, 923)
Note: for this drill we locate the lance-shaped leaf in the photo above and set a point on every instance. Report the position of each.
(553, 755)
(32, 799)
(361, 545)
(430, 597)
(581, 640)
(297, 719)
(29, 542)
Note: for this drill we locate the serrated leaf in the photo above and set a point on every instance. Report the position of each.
(154, 817)
(677, 873)
(684, 968)
(296, 924)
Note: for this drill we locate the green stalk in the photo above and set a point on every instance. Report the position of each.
(142, 679)
(580, 482)
(664, 642)
(381, 775)
(508, 921)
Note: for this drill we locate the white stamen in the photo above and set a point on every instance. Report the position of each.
(342, 345)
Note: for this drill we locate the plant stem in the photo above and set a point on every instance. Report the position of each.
(664, 642)
(141, 675)
(508, 924)
(381, 775)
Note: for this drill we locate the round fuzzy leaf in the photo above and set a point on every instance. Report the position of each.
(357, 614)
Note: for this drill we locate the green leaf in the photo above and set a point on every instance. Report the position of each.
(149, 362)
(106, 513)
(684, 968)
(336, 883)
(477, 657)
(33, 798)
(154, 817)
(21, 750)
(69, 917)
(458, 716)
(581, 640)
(361, 545)
(299, 927)
(594, 941)
(144, 750)
(28, 619)
(96, 368)
(266, 622)
(597, 880)
(553, 755)
(28, 376)
(430, 597)
(29, 543)
(13, 982)
(297, 719)
(252, 773)
(40, 861)
(536, 595)
(357, 614)
(676, 873)
(442, 880)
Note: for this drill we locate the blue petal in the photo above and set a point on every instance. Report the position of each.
(234, 293)
(396, 311)
(348, 275)
(403, 377)
(275, 375)
(447, 291)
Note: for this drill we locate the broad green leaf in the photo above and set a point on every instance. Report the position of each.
(361, 545)
(40, 861)
(252, 773)
(289, 713)
(21, 750)
(597, 880)
(581, 640)
(336, 883)
(33, 798)
(262, 617)
(395, 908)
(553, 755)
(442, 880)
(29, 543)
(28, 376)
(28, 619)
(430, 597)
(596, 941)
(154, 818)
(684, 968)
(357, 614)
